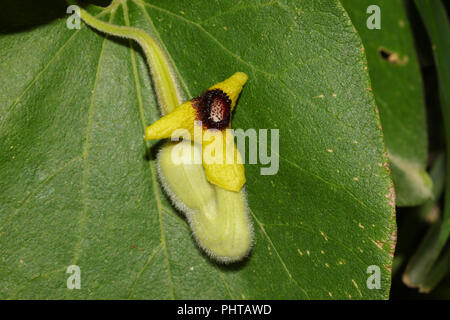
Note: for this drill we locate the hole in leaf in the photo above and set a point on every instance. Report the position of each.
(392, 57)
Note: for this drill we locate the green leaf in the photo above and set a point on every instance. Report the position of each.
(436, 22)
(430, 211)
(79, 187)
(427, 267)
(442, 292)
(422, 261)
(398, 89)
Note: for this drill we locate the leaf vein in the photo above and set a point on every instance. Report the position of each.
(151, 164)
(150, 258)
(40, 73)
(200, 27)
(85, 154)
(278, 254)
(37, 188)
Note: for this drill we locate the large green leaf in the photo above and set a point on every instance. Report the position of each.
(79, 187)
(398, 89)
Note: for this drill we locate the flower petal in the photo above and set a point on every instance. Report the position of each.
(182, 117)
(232, 86)
(222, 161)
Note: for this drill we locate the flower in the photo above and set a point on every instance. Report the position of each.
(207, 120)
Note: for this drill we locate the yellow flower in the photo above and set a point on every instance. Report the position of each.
(209, 114)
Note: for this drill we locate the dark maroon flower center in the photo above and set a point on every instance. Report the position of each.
(213, 109)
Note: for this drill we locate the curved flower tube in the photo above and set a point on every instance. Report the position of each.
(218, 217)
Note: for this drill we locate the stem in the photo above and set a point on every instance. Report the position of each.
(167, 89)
